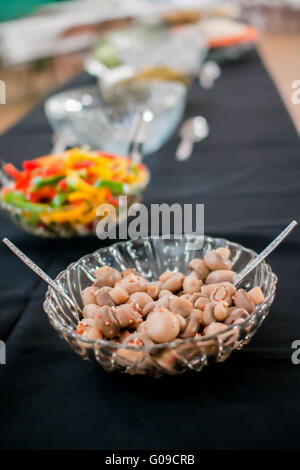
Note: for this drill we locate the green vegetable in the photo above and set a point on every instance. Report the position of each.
(83, 173)
(17, 199)
(106, 53)
(72, 182)
(59, 199)
(134, 169)
(115, 186)
(40, 182)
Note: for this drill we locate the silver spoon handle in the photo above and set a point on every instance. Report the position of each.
(135, 149)
(5, 179)
(255, 262)
(34, 267)
(184, 150)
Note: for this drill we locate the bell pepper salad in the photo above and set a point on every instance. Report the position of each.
(67, 188)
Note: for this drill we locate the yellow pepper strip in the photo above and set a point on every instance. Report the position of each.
(68, 214)
(80, 195)
(141, 179)
(81, 184)
(100, 172)
(88, 217)
(46, 159)
(101, 195)
(76, 155)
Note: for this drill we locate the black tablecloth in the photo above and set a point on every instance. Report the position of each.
(247, 173)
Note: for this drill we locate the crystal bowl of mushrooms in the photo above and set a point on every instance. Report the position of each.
(153, 307)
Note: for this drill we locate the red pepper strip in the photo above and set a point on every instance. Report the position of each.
(30, 165)
(83, 164)
(111, 199)
(63, 186)
(12, 170)
(23, 181)
(142, 167)
(42, 194)
(55, 168)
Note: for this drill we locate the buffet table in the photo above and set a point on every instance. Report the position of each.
(247, 174)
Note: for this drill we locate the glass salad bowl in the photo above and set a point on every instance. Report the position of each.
(58, 196)
(151, 257)
(84, 116)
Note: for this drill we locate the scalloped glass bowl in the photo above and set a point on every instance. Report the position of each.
(151, 257)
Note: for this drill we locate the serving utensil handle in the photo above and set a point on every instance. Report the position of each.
(35, 268)
(271, 247)
(135, 149)
(184, 150)
(5, 179)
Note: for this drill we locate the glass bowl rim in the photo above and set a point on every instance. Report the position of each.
(170, 344)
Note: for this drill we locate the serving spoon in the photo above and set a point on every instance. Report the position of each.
(5, 179)
(192, 130)
(259, 258)
(138, 137)
(35, 268)
(209, 73)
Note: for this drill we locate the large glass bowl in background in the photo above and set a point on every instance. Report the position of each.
(151, 257)
(85, 116)
(154, 50)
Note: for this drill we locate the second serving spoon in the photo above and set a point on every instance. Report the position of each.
(192, 130)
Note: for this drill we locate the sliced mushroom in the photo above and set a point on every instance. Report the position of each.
(165, 292)
(180, 306)
(174, 283)
(133, 283)
(191, 284)
(91, 311)
(208, 314)
(224, 252)
(89, 295)
(214, 261)
(106, 276)
(200, 302)
(243, 300)
(154, 289)
(119, 295)
(141, 299)
(221, 310)
(222, 293)
(199, 267)
(236, 313)
(214, 328)
(221, 275)
(193, 324)
(129, 271)
(162, 325)
(106, 322)
(256, 295)
(103, 297)
(127, 316)
(165, 276)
